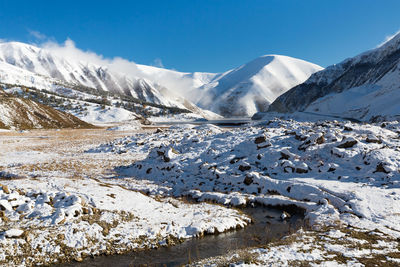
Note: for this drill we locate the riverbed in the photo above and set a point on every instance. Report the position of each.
(267, 226)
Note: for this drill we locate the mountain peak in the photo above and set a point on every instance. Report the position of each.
(251, 87)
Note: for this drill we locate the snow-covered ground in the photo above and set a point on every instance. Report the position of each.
(72, 193)
(345, 175)
(53, 205)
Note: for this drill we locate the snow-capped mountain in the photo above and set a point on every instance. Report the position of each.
(45, 66)
(238, 92)
(364, 87)
(251, 87)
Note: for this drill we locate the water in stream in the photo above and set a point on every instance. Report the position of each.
(267, 226)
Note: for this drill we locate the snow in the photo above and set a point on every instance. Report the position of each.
(328, 169)
(365, 88)
(367, 102)
(97, 115)
(344, 175)
(238, 92)
(252, 87)
(54, 209)
(51, 68)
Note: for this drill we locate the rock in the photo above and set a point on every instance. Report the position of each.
(85, 210)
(373, 139)
(244, 168)
(288, 169)
(234, 160)
(5, 205)
(320, 140)
(349, 142)
(260, 139)
(268, 144)
(285, 216)
(158, 130)
(5, 189)
(248, 180)
(300, 170)
(381, 168)
(27, 237)
(284, 155)
(13, 233)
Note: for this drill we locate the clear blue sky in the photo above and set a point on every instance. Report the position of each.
(206, 35)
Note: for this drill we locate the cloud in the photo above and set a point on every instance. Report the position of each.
(175, 82)
(158, 63)
(69, 51)
(37, 35)
(388, 38)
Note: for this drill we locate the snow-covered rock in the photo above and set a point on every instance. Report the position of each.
(338, 178)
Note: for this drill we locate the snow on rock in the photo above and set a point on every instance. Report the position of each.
(67, 218)
(327, 168)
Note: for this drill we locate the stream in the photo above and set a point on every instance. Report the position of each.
(266, 227)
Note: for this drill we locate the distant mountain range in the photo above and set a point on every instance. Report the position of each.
(365, 87)
(238, 92)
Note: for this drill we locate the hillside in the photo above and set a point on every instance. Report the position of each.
(238, 92)
(365, 87)
(21, 114)
(55, 70)
(252, 87)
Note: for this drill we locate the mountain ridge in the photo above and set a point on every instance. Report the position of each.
(369, 76)
(163, 86)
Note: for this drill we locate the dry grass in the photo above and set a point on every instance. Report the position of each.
(68, 145)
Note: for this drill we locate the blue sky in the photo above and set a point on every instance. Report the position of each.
(205, 35)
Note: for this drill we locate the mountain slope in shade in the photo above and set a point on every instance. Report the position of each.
(252, 87)
(21, 114)
(364, 87)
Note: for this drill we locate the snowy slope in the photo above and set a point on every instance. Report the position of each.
(53, 66)
(252, 87)
(238, 92)
(365, 87)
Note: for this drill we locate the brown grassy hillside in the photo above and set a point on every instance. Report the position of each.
(22, 114)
